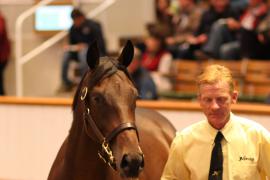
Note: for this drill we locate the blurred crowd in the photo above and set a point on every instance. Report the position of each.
(184, 29)
(201, 30)
(219, 29)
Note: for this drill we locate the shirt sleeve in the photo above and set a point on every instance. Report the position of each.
(175, 168)
(264, 159)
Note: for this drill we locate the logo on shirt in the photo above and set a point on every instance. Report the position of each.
(244, 158)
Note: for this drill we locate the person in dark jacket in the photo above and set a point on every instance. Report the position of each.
(4, 52)
(82, 33)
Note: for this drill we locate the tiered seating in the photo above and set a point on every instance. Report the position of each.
(257, 78)
(186, 72)
(252, 76)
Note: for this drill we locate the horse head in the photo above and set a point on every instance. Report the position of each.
(108, 97)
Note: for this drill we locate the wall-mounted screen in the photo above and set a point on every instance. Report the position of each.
(53, 18)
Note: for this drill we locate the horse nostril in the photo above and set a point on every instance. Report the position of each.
(124, 162)
(132, 164)
(142, 162)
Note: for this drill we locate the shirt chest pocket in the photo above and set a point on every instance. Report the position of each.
(244, 171)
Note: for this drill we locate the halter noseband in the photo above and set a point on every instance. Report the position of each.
(105, 153)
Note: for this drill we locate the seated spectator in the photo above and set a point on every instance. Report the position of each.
(142, 78)
(157, 60)
(213, 31)
(263, 31)
(217, 10)
(82, 33)
(163, 16)
(185, 22)
(247, 45)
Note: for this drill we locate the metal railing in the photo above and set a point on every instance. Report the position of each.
(21, 59)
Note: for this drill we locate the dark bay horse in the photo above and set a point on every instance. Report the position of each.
(111, 139)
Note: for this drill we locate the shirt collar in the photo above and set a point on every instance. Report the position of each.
(226, 130)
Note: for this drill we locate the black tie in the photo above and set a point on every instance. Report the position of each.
(216, 166)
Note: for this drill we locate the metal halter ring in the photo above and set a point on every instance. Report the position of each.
(84, 93)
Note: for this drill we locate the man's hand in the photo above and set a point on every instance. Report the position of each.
(170, 41)
(202, 38)
(233, 24)
(192, 40)
(197, 40)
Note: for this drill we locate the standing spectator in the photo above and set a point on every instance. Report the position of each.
(4, 52)
(82, 33)
(224, 146)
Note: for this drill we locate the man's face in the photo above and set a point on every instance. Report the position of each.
(215, 101)
(220, 5)
(78, 21)
(152, 44)
(163, 5)
(185, 3)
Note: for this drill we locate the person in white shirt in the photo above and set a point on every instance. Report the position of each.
(244, 145)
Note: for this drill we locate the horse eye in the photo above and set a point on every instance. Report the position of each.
(96, 98)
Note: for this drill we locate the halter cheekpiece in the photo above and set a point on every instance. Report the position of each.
(105, 153)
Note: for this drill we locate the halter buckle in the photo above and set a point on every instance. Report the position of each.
(106, 154)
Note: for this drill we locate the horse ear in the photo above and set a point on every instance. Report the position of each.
(127, 54)
(93, 55)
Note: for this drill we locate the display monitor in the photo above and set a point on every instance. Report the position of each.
(53, 18)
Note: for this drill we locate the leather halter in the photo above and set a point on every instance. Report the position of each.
(105, 153)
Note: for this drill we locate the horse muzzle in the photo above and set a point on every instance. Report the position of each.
(131, 165)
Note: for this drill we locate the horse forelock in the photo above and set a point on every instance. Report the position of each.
(107, 67)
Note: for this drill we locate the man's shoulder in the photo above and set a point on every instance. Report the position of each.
(196, 127)
(248, 124)
(196, 132)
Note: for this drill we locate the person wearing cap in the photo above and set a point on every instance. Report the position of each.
(224, 146)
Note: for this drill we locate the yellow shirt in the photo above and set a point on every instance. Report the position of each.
(245, 147)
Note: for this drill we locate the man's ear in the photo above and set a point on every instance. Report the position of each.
(234, 96)
(199, 98)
